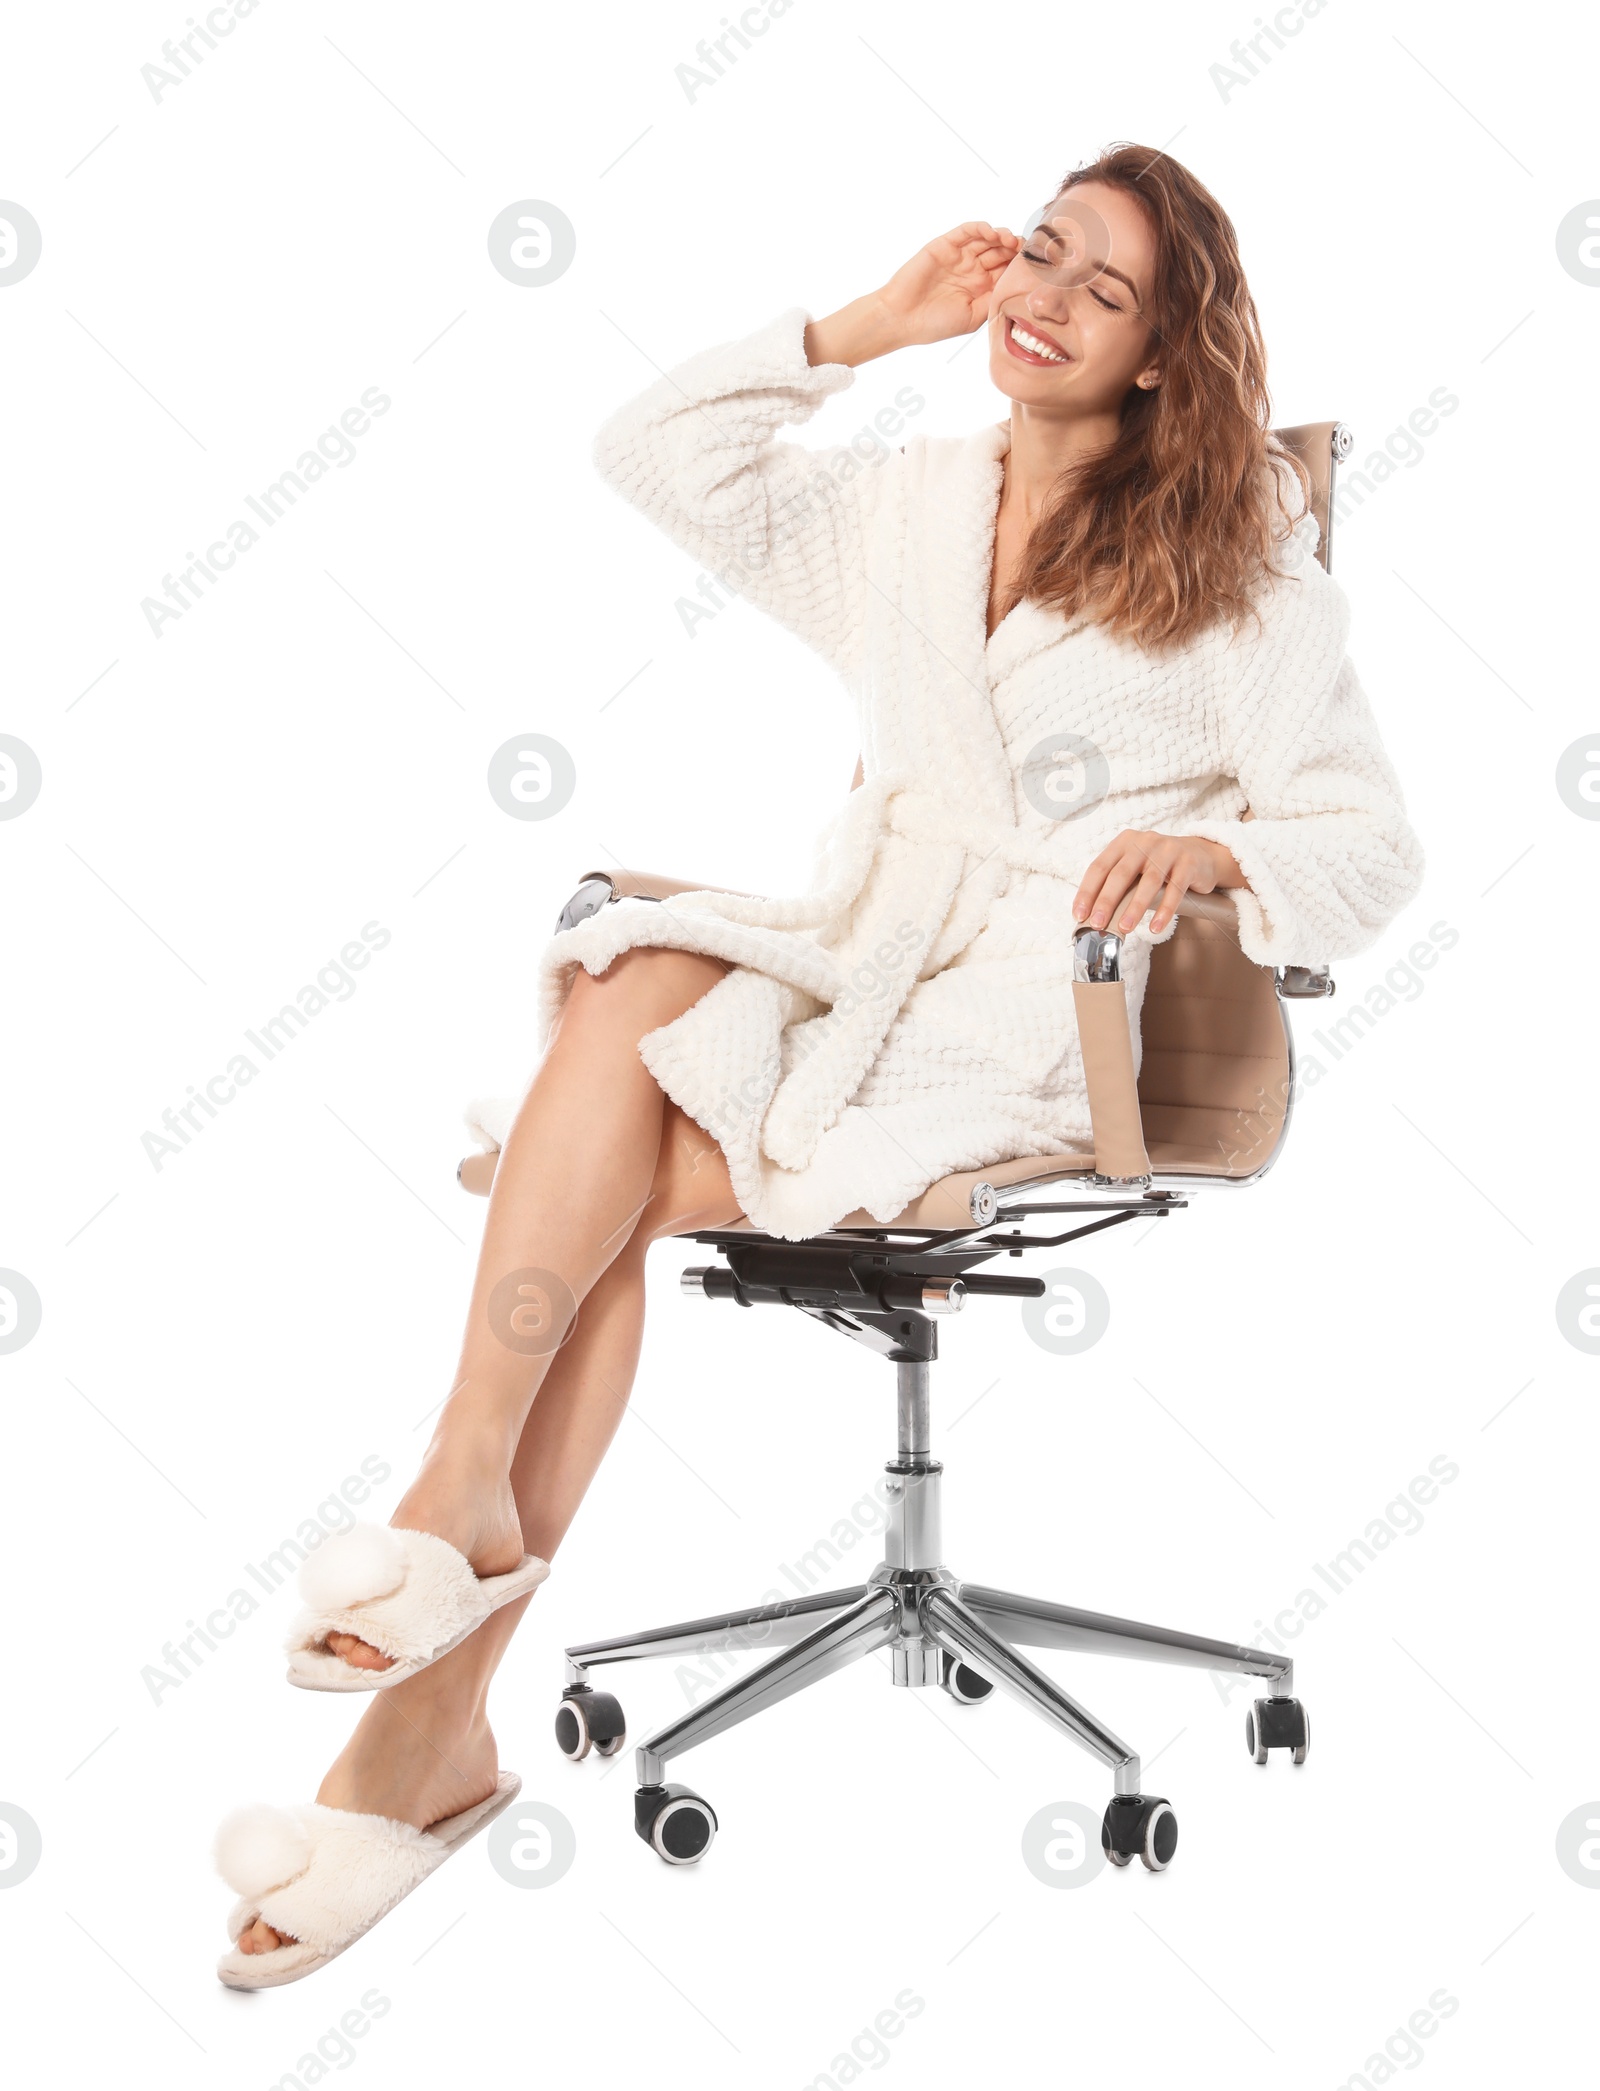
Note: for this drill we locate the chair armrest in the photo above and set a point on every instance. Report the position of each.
(597, 888)
(475, 1171)
(651, 885)
(1100, 998)
(1295, 983)
(1211, 907)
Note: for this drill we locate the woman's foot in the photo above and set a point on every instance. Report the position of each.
(417, 1762)
(462, 1495)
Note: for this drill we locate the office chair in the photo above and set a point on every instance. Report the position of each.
(1211, 1106)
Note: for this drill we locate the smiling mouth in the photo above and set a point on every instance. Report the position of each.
(1031, 347)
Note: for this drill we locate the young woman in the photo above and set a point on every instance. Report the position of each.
(1097, 667)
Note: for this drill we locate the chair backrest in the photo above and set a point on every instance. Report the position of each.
(1319, 445)
(1217, 1064)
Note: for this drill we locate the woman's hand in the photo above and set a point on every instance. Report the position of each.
(1157, 871)
(945, 289)
(942, 291)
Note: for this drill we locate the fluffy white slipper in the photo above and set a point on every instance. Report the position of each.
(325, 1876)
(410, 1594)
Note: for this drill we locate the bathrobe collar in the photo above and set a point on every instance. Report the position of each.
(1030, 627)
(950, 515)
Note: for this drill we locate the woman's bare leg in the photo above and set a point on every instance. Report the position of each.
(424, 1749)
(584, 1395)
(573, 1180)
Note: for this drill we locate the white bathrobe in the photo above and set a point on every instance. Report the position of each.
(912, 1013)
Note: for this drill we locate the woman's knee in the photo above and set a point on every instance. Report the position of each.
(639, 990)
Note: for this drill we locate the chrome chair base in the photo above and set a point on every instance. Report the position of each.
(965, 1637)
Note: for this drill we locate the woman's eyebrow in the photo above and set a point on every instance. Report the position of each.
(1106, 269)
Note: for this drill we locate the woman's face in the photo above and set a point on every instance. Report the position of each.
(1065, 328)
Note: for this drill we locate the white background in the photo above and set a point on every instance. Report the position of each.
(227, 1337)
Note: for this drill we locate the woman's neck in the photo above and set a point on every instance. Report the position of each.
(1042, 447)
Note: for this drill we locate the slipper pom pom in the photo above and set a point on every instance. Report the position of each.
(352, 1567)
(260, 1848)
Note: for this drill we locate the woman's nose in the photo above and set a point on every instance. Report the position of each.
(1049, 301)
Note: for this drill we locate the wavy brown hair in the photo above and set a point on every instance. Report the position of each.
(1171, 529)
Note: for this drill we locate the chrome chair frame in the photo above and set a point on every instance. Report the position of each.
(888, 1289)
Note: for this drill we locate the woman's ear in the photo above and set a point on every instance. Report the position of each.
(1148, 380)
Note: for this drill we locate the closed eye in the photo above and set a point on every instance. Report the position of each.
(1040, 261)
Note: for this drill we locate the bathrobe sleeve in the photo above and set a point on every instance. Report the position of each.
(1329, 854)
(775, 523)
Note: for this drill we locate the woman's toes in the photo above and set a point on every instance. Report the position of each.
(259, 1937)
(360, 1655)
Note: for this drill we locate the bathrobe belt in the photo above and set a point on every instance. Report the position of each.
(922, 816)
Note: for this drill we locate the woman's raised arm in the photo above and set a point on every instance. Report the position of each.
(774, 522)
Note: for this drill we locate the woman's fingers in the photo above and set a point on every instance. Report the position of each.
(1089, 893)
(1119, 878)
(1177, 885)
(1139, 871)
(1094, 878)
(988, 246)
(946, 287)
(959, 240)
(999, 248)
(1124, 880)
(1146, 893)
(1134, 873)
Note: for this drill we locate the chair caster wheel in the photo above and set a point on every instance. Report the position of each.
(587, 1719)
(965, 1685)
(675, 1822)
(1277, 1724)
(1139, 1826)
